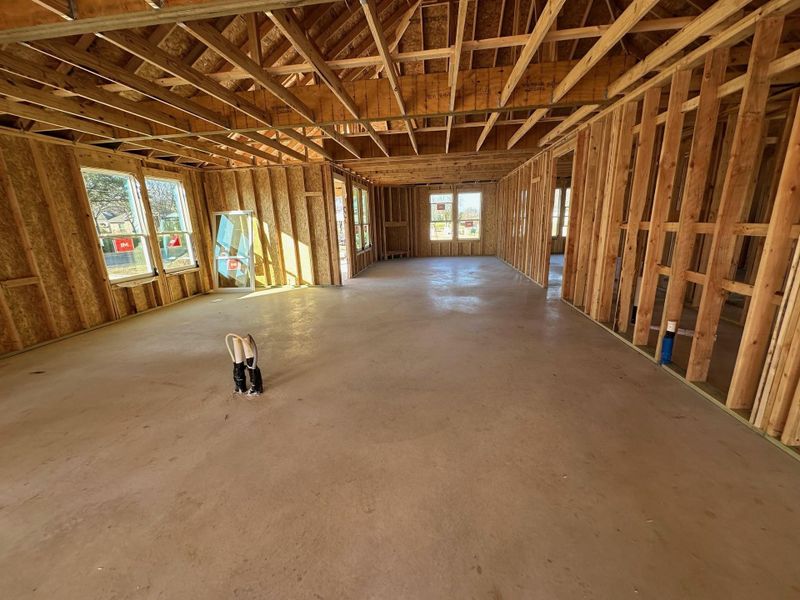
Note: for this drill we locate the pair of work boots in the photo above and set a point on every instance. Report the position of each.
(240, 379)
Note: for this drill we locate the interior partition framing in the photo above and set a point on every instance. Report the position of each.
(684, 216)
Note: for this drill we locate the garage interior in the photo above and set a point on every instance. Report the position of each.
(523, 276)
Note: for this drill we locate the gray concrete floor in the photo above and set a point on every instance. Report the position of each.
(435, 429)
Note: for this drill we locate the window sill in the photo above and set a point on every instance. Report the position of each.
(128, 282)
(182, 271)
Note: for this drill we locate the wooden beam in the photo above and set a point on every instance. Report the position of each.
(455, 62)
(736, 193)
(632, 15)
(286, 22)
(371, 12)
(698, 27)
(725, 38)
(23, 21)
(103, 68)
(227, 50)
(543, 24)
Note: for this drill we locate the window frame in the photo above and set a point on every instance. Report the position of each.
(183, 204)
(454, 220)
(142, 215)
(358, 201)
(449, 193)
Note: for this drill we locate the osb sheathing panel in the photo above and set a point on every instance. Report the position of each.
(68, 206)
(175, 289)
(280, 196)
(26, 306)
(269, 226)
(318, 223)
(11, 264)
(35, 214)
(247, 201)
(302, 231)
(26, 303)
(289, 208)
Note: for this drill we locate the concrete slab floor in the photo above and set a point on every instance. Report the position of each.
(435, 429)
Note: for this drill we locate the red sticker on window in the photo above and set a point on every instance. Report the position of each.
(123, 244)
(233, 264)
(175, 242)
(467, 223)
(440, 207)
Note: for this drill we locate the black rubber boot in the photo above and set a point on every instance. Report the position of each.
(239, 378)
(256, 384)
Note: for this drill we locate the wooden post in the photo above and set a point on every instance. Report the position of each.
(578, 177)
(738, 178)
(700, 157)
(641, 180)
(769, 278)
(667, 165)
(588, 201)
(616, 184)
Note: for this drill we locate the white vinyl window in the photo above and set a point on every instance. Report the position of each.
(469, 215)
(361, 218)
(119, 218)
(172, 221)
(441, 216)
(462, 217)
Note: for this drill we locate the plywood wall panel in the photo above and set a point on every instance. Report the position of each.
(269, 225)
(26, 307)
(318, 223)
(88, 281)
(297, 194)
(70, 293)
(280, 196)
(23, 175)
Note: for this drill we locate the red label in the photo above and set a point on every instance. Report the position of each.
(233, 264)
(175, 242)
(440, 207)
(123, 244)
(467, 223)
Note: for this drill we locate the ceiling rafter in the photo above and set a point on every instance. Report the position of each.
(546, 19)
(699, 26)
(370, 10)
(113, 15)
(286, 22)
(455, 60)
(632, 15)
(102, 68)
(140, 47)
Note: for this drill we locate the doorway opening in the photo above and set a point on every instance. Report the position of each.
(559, 231)
(340, 192)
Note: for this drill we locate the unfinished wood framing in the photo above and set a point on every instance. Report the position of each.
(684, 211)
